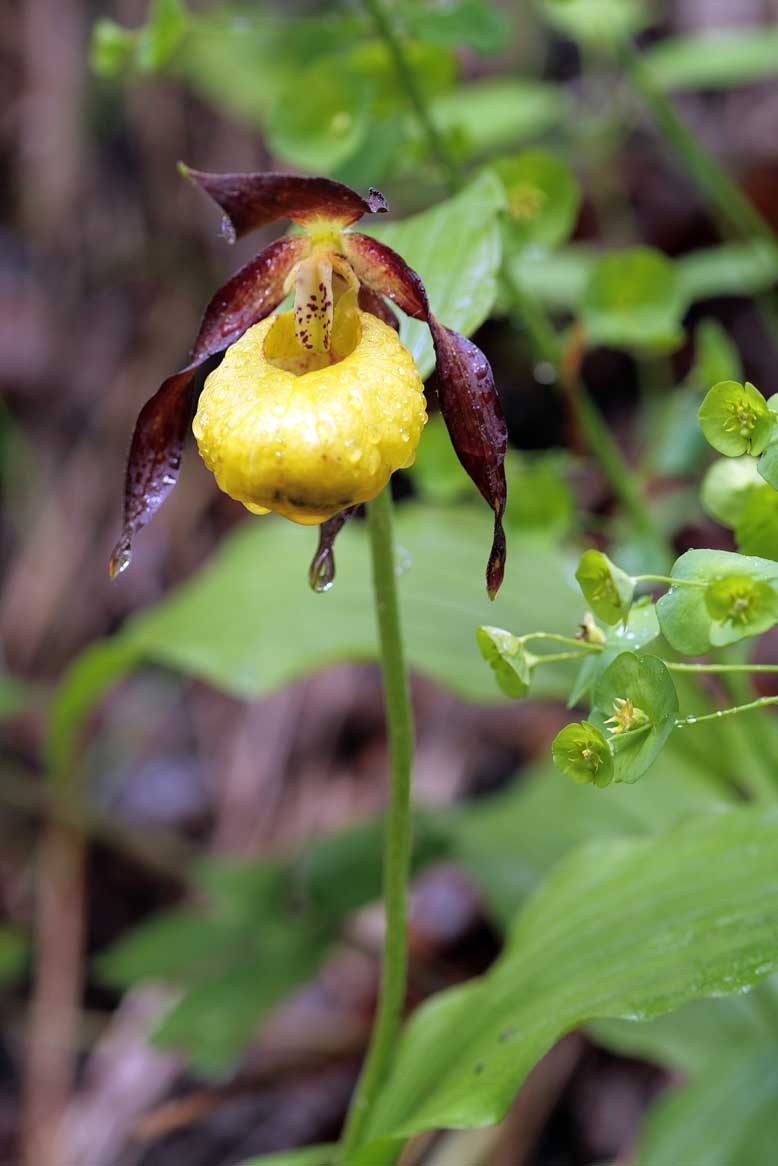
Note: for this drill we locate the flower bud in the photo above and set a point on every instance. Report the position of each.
(306, 433)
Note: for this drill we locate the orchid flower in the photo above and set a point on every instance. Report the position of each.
(312, 410)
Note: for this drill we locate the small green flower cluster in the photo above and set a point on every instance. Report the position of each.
(712, 599)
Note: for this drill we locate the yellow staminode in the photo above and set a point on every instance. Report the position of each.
(304, 433)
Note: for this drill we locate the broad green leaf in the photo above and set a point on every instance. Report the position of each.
(102, 664)
(434, 68)
(756, 529)
(241, 61)
(230, 962)
(499, 112)
(511, 840)
(728, 1115)
(725, 487)
(248, 623)
(340, 872)
(456, 249)
(216, 1019)
(633, 299)
(480, 24)
(720, 60)
(597, 23)
(699, 1034)
(542, 197)
(321, 116)
(629, 929)
(636, 702)
(684, 618)
(558, 279)
(736, 269)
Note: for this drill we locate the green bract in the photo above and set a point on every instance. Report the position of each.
(641, 627)
(582, 752)
(756, 529)
(607, 589)
(735, 419)
(768, 462)
(635, 701)
(726, 487)
(505, 653)
(740, 605)
(684, 618)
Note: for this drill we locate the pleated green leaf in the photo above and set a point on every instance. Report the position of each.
(248, 623)
(628, 929)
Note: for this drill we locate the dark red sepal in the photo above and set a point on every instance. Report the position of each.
(476, 425)
(160, 431)
(370, 301)
(251, 295)
(322, 570)
(384, 271)
(250, 201)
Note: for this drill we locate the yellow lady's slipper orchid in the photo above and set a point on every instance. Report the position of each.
(310, 442)
(311, 411)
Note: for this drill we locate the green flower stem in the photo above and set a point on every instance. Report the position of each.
(388, 32)
(556, 658)
(397, 846)
(557, 639)
(720, 668)
(668, 580)
(671, 665)
(761, 703)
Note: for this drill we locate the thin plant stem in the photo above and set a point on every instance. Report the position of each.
(386, 29)
(671, 665)
(397, 846)
(723, 668)
(762, 702)
(731, 204)
(735, 212)
(557, 657)
(555, 638)
(669, 580)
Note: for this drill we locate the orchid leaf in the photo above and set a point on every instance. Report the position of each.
(621, 929)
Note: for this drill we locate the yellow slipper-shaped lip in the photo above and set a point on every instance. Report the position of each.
(308, 444)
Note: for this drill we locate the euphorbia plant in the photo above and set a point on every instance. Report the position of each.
(308, 415)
